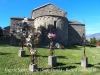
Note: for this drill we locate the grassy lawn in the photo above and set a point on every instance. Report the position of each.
(68, 61)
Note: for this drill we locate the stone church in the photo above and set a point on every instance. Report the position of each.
(67, 31)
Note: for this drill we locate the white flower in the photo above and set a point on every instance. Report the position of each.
(29, 44)
(33, 52)
(28, 39)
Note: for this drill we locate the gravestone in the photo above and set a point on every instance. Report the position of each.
(33, 67)
(84, 62)
(21, 53)
(52, 61)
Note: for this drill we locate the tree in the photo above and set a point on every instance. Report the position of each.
(93, 41)
(1, 32)
(87, 42)
(98, 40)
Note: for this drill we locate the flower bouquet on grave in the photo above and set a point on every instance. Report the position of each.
(19, 33)
(22, 35)
(51, 36)
(32, 40)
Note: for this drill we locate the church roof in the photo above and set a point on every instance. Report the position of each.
(47, 5)
(73, 22)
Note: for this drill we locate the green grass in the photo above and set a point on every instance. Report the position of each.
(68, 58)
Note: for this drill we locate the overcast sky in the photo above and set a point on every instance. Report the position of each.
(84, 11)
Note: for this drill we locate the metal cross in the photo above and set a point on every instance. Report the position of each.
(84, 42)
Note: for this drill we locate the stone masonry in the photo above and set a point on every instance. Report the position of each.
(68, 32)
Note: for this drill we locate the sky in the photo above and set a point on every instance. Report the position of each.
(84, 11)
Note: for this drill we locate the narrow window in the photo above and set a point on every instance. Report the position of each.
(55, 24)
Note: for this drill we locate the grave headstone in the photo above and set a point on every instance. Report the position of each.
(52, 61)
(21, 53)
(33, 67)
(84, 62)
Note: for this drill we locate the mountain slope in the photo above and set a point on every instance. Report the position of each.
(96, 35)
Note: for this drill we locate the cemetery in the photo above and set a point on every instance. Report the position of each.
(47, 49)
(68, 60)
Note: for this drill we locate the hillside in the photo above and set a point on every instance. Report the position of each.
(96, 35)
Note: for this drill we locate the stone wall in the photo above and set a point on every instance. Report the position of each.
(61, 26)
(66, 33)
(15, 22)
(14, 25)
(49, 14)
(48, 9)
(75, 33)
